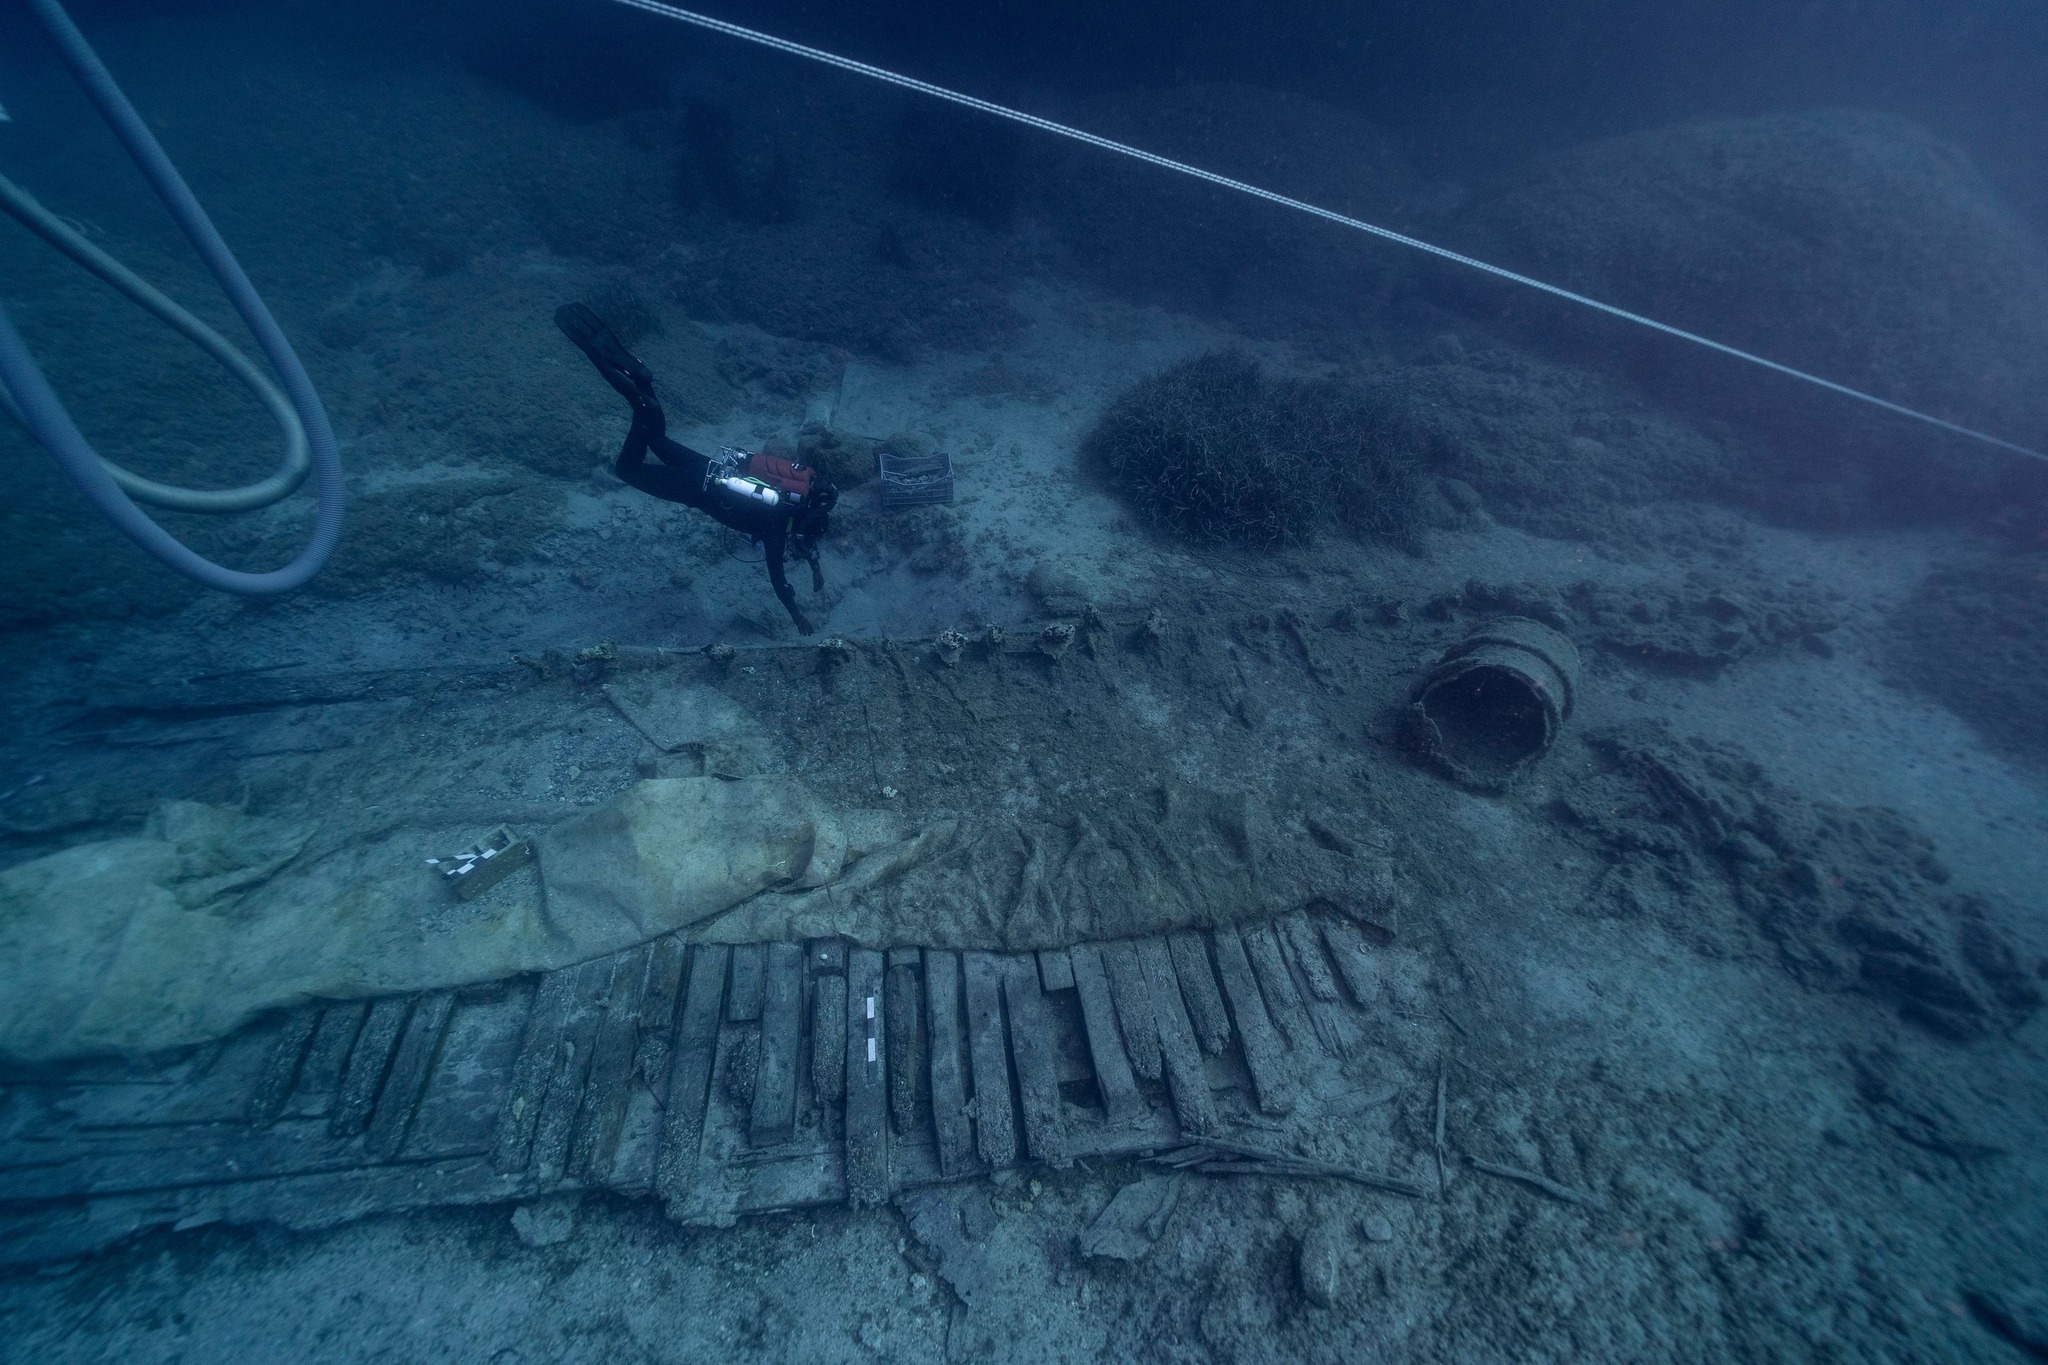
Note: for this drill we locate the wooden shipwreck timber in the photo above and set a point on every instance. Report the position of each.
(725, 1080)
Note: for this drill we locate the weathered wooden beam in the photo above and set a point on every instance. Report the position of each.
(1113, 1079)
(867, 1083)
(689, 1082)
(1198, 988)
(410, 1067)
(950, 1120)
(1038, 1085)
(1187, 1080)
(368, 1061)
(609, 1084)
(772, 1118)
(995, 1129)
(281, 1068)
(1264, 1056)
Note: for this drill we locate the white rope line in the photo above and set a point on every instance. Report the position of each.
(1330, 215)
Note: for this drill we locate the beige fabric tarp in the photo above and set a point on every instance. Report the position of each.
(208, 917)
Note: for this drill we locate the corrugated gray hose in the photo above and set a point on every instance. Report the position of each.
(309, 437)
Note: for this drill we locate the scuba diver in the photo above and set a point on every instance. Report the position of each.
(782, 505)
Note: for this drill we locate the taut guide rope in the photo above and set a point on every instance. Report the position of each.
(794, 49)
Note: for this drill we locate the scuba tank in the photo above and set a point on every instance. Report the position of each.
(727, 471)
(752, 490)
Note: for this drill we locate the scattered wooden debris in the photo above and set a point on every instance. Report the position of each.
(1358, 1098)
(937, 1226)
(1534, 1181)
(1126, 1229)
(1213, 1155)
(1443, 1182)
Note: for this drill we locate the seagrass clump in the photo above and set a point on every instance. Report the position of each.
(1216, 450)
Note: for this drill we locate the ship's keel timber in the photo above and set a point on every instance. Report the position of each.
(723, 1080)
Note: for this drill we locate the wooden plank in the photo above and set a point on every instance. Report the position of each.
(325, 1199)
(1055, 971)
(950, 1121)
(609, 1084)
(773, 1118)
(913, 1162)
(633, 1159)
(281, 1069)
(827, 955)
(1276, 984)
(368, 1061)
(995, 1130)
(465, 1090)
(319, 1084)
(1198, 989)
(1038, 1085)
(689, 1078)
(1133, 1008)
(1355, 961)
(909, 1078)
(828, 1039)
(308, 1200)
(1187, 1080)
(533, 1070)
(209, 1085)
(792, 1182)
(713, 1198)
(1305, 952)
(658, 998)
(1264, 1056)
(410, 1068)
(181, 1157)
(1120, 1099)
(867, 1082)
(743, 1000)
(1302, 946)
(70, 1230)
(572, 1066)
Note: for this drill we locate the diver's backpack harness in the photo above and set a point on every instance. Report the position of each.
(765, 480)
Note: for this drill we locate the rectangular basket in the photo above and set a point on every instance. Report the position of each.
(915, 480)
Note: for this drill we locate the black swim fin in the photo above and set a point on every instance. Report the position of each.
(619, 366)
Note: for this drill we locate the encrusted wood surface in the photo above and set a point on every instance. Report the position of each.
(727, 1081)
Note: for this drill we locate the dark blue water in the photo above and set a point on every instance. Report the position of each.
(1432, 822)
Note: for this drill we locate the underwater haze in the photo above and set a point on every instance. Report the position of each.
(927, 738)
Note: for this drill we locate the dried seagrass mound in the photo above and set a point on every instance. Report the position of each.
(1217, 450)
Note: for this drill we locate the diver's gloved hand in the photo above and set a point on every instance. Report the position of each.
(803, 623)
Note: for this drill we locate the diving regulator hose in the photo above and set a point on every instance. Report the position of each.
(309, 437)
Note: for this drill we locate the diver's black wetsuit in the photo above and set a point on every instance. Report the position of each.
(685, 476)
